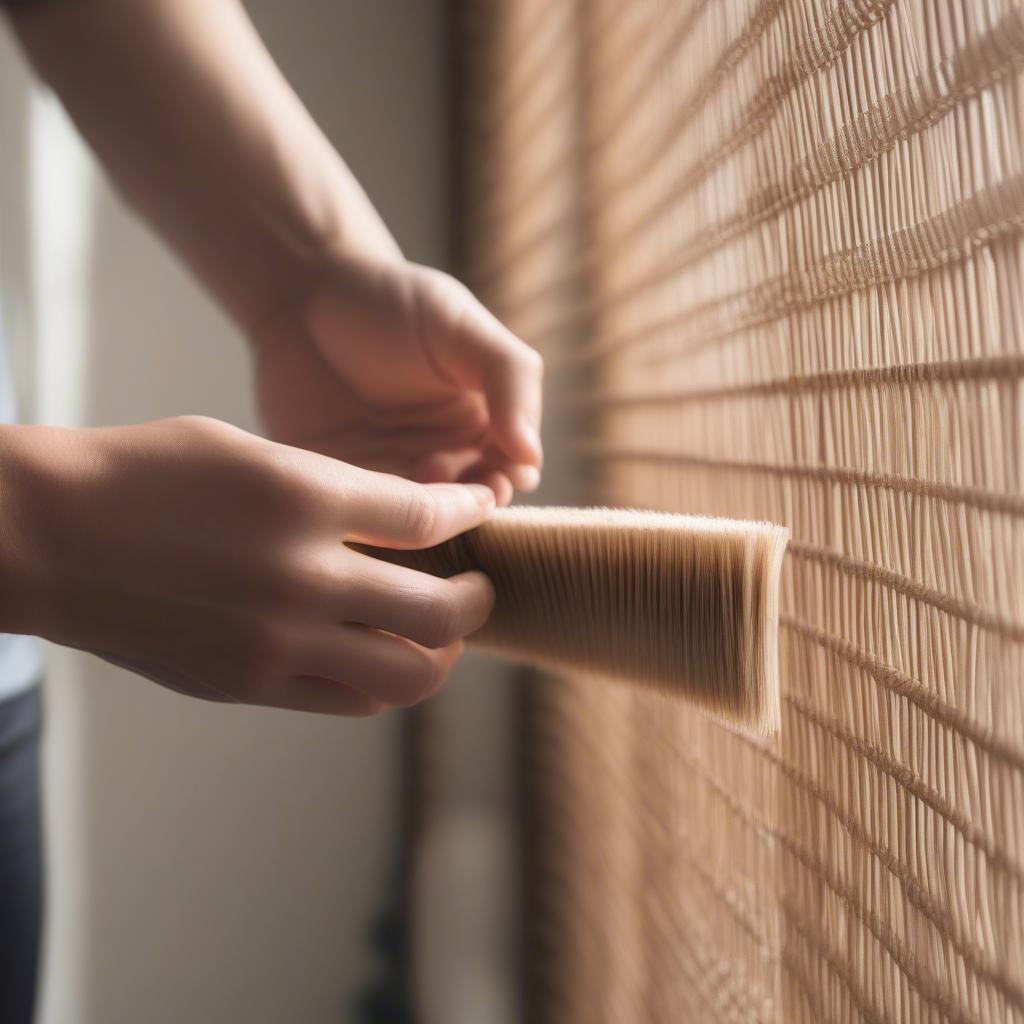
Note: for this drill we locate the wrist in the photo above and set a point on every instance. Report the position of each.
(355, 273)
(310, 241)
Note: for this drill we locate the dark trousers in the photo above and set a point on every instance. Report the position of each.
(21, 874)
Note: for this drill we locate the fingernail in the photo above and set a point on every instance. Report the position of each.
(484, 496)
(527, 478)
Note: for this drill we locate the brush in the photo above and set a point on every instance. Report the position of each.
(687, 605)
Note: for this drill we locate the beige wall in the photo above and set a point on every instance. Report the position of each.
(208, 864)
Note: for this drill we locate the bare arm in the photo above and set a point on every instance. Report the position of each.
(240, 588)
(202, 134)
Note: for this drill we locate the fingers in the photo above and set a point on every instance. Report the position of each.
(404, 635)
(445, 466)
(385, 669)
(498, 482)
(468, 466)
(475, 348)
(391, 512)
(431, 612)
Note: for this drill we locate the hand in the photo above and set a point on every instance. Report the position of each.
(213, 562)
(359, 354)
(397, 367)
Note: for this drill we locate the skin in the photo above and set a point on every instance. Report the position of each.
(399, 411)
(398, 368)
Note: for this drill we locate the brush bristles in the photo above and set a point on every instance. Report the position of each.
(685, 604)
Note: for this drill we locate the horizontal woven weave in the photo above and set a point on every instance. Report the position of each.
(772, 251)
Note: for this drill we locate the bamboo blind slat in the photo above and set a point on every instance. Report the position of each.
(772, 251)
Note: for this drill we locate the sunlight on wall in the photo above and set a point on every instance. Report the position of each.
(61, 224)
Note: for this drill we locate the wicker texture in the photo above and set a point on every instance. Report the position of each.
(772, 251)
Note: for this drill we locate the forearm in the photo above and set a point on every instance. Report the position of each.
(202, 134)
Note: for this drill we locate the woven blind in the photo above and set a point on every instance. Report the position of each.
(772, 251)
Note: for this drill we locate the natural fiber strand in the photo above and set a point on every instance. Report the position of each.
(773, 253)
(681, 604)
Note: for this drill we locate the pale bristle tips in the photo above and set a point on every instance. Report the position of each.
(687, 605)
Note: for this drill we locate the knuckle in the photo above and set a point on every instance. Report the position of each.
(532, 360)
(419, 516)
(434, 675)
(426, 676)
(442, 287)
(442, 619)
(301, 576)
(484, 603)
